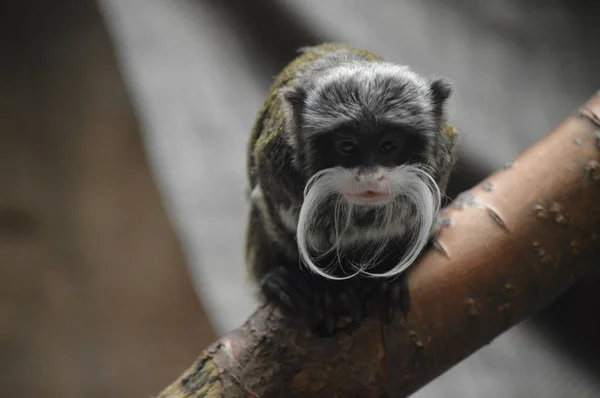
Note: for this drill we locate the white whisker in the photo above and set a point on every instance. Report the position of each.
(408, 217)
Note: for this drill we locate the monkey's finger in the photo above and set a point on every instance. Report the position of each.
(352, 305)
(303, 288)
(317, 311)
(328, 314)
(405, 299)
(277, 287)
(274, 293)
(396, 299)
(392, 302)
(300, 298)
(383, 287)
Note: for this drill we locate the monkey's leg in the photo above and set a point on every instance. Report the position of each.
(271, 268)
(392, 292)
(334, 300)
(294, 289)
(322, 301)
(395, 291)
(299, 292)
(287, 292)
(396, 296)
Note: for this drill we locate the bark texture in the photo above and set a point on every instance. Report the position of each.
(510, 246)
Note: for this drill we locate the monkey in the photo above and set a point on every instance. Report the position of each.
(347, 162)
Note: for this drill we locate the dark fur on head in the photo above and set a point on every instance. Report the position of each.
(338, 121)
(345, 88)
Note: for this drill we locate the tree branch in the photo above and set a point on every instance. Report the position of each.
(511, 245)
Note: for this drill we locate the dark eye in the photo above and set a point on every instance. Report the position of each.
(388, 147)
(347, 147)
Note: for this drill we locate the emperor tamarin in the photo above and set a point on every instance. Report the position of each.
(346, 164)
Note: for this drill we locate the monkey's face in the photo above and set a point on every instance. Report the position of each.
(367, 133)
(372, 187)
(370, 152)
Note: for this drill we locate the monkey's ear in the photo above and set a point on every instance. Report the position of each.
(441, 89)
(294, 97)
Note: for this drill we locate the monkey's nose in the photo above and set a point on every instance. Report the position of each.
(370, 175)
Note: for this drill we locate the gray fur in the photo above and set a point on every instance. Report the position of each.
(344, 88)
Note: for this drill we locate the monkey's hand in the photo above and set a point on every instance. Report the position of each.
(326, 303)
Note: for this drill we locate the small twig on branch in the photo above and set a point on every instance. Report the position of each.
(510, 246)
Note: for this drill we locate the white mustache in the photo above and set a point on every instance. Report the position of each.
(409, 184)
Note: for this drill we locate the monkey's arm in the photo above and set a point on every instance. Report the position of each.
(524, 244)
(272, 254)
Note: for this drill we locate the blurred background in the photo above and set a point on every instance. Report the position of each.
(123, 129)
